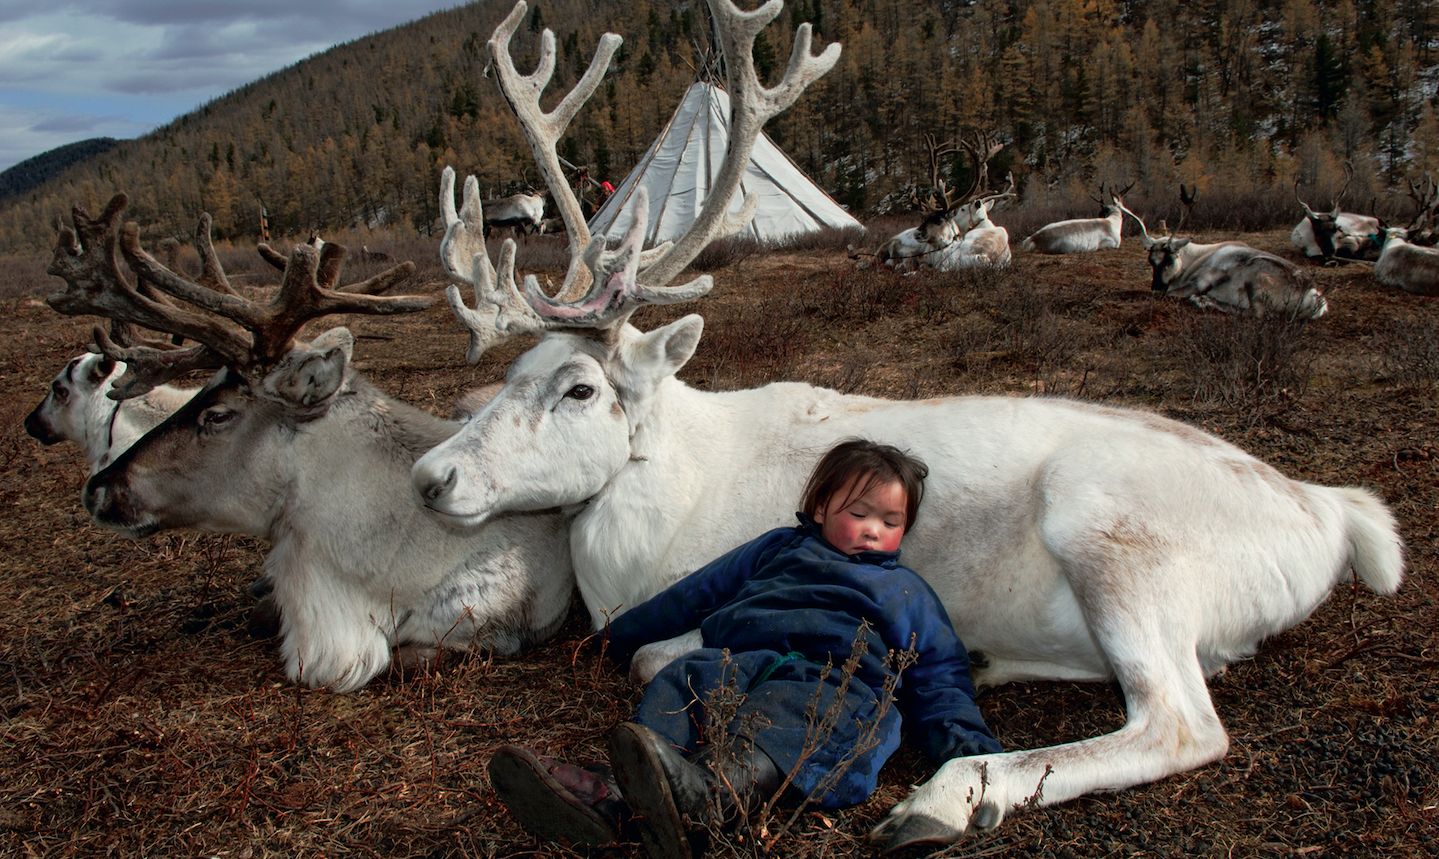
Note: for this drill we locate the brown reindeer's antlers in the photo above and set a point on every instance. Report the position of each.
(984, 147)
(602, 288)
(937, 151)
(85, 258)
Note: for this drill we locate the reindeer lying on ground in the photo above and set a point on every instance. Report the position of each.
(1330, 236)
(1068, 540)
(1229, 276)
(1080, 235)
(77, 409)
(943, 240)
(984, 243)
(288, 442)
(1406, 265)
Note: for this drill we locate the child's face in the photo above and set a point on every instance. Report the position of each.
(873, 522)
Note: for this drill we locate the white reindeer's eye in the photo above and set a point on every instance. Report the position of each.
(580, 392)
(60, 392)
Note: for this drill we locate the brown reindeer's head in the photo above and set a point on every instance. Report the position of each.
(266, 371)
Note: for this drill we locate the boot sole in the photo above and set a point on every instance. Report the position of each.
(542, 805)
(643, 782)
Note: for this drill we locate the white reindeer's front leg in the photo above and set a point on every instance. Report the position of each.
(1171, 728)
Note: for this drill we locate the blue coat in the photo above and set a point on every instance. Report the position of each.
(791, 592)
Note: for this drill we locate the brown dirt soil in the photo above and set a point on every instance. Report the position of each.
(142, 719)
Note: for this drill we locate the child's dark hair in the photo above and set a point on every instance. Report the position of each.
(868, 463)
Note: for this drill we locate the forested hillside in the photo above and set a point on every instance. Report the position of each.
(33, 173)
(1231, 94)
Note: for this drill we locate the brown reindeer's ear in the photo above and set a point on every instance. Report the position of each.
(309, 376)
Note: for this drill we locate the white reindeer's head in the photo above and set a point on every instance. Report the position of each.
(64, 414)
(565, 422)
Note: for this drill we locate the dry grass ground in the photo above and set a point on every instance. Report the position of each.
(140, 717)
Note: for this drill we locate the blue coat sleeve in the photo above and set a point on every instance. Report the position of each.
(936, 694)
(683, 605)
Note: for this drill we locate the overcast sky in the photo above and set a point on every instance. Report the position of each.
(75, 69)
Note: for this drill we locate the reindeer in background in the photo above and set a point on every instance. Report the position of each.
(1407, 259)
(1080, 235)
(1232, 277)
(939, 241)
(1331, 236)
(1056, 532)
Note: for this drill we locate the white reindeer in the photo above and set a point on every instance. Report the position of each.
(1231, 277)
(289, 443)
(1068, 540)
(985, 244)
(77, 409)
(1408, 266)
(1081, 235)
(1327, 236)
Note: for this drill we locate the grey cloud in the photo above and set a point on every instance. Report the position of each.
(74, 123)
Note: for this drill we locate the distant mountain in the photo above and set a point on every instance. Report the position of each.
(34, 172)
(1235, 97)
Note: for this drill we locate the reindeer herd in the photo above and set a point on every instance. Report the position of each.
(1069, 541)
(1232, 277)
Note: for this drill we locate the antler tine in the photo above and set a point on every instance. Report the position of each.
(1000, 195)
(212, 274)
(1187, 201)
(615, 292)
(1125, 190)
(1100, 198)
(1308, 211)
(543, 130)
(1348, 177)
(751, 107)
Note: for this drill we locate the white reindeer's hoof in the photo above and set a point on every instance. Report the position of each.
(410, 658)
(912, 830)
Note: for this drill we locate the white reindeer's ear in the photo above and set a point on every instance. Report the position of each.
(99, 371)
(310, 375)
(663, 351)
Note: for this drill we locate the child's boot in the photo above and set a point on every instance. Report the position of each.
(557, 801)
(671, 796)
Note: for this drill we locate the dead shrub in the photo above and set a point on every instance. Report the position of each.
(1407, 352)
(826, 239)
(1042, 333)
(853, 296)
(724, 253)
(1244, 362)
(762, 347)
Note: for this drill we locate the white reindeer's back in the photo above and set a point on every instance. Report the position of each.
(1033, 501)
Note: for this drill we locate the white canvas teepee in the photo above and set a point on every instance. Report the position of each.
(682, 163)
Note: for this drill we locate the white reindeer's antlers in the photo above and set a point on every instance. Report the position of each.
(615, 292)
(752, 105)
(601, 288)
(499, 313)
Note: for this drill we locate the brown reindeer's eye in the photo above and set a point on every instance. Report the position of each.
(580, 392)
(215, 418)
